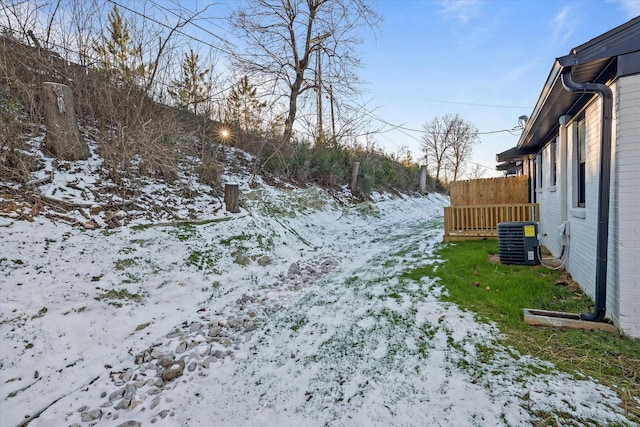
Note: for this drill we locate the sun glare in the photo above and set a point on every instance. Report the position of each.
(224, 134)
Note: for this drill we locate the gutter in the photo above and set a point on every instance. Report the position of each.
(604, 188)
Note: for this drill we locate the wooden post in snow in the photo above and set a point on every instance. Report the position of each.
(232, 198)
(423, 179)
(63, 138)
(354, 177)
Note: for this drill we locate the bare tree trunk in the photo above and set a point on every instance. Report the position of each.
(63, 138)
(291, 117)
(293, 101)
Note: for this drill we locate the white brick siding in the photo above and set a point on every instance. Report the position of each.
(626, 199)
(623, 275)
(583, 221)
(549, 199)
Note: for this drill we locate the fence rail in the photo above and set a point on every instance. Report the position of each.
(481, 222)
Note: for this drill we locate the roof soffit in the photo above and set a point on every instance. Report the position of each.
(589, 62)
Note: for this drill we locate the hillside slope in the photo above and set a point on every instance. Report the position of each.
(292, 312)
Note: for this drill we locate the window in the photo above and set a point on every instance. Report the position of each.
(552, 163)
(539, 174)
(581, 152)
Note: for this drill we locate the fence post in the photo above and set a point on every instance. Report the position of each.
(232, 198)
(423, 179)
(354, 177)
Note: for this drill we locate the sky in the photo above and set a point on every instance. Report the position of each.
(486, 60)
(293, 312)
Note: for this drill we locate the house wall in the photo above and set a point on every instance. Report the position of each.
(583, 221)
(626, 198)
(558, 204)
(549, 198)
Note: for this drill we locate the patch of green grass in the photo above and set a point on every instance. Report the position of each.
(122, 264)
(475, 281)
(114, 296)
(395, 296)
(264, 260)
(298, 322)
(241, 237)
(396, 320)
(349, 281)
(203, 260)
(126, 250)
(239, 258)
(366, 210)
(140, 242)
(265, 243)
(184, 231)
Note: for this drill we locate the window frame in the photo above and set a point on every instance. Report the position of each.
(580, 157)
(553, 163)
(539, 170)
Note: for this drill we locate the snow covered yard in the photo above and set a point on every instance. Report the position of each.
(293, 312)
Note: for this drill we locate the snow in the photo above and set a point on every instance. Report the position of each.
(316, 325)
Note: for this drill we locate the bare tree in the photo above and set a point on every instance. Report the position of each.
(463, 136)
(435, 143)
(283, 37)
(20, 19)
(448, 143)
(477, 172)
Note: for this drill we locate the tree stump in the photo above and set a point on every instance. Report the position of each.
(63, 139)
(232, 198)
(354, 177)
(423, 179)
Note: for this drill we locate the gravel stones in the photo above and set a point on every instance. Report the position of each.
(89, 416)
(190, 349)
(173, 370)
(182, 347)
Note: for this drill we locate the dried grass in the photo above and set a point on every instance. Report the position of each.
(135, 135)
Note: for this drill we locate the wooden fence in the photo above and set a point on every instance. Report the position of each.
(491, 191)
(481, 222)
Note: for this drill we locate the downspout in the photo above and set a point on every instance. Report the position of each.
(602, 235)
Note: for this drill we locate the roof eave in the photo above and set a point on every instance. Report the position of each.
(550, 84)
(588, 61)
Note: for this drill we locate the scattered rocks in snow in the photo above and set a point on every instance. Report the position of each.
(173, 370)
(94, 415)
(294, 269)
(194, 347)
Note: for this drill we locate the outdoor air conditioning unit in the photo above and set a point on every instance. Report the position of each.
(518, 242)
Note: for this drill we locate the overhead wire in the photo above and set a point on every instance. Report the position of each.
(402, 130)
(189, 36)
(452, 102)
(197, 25)
(392, 127)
